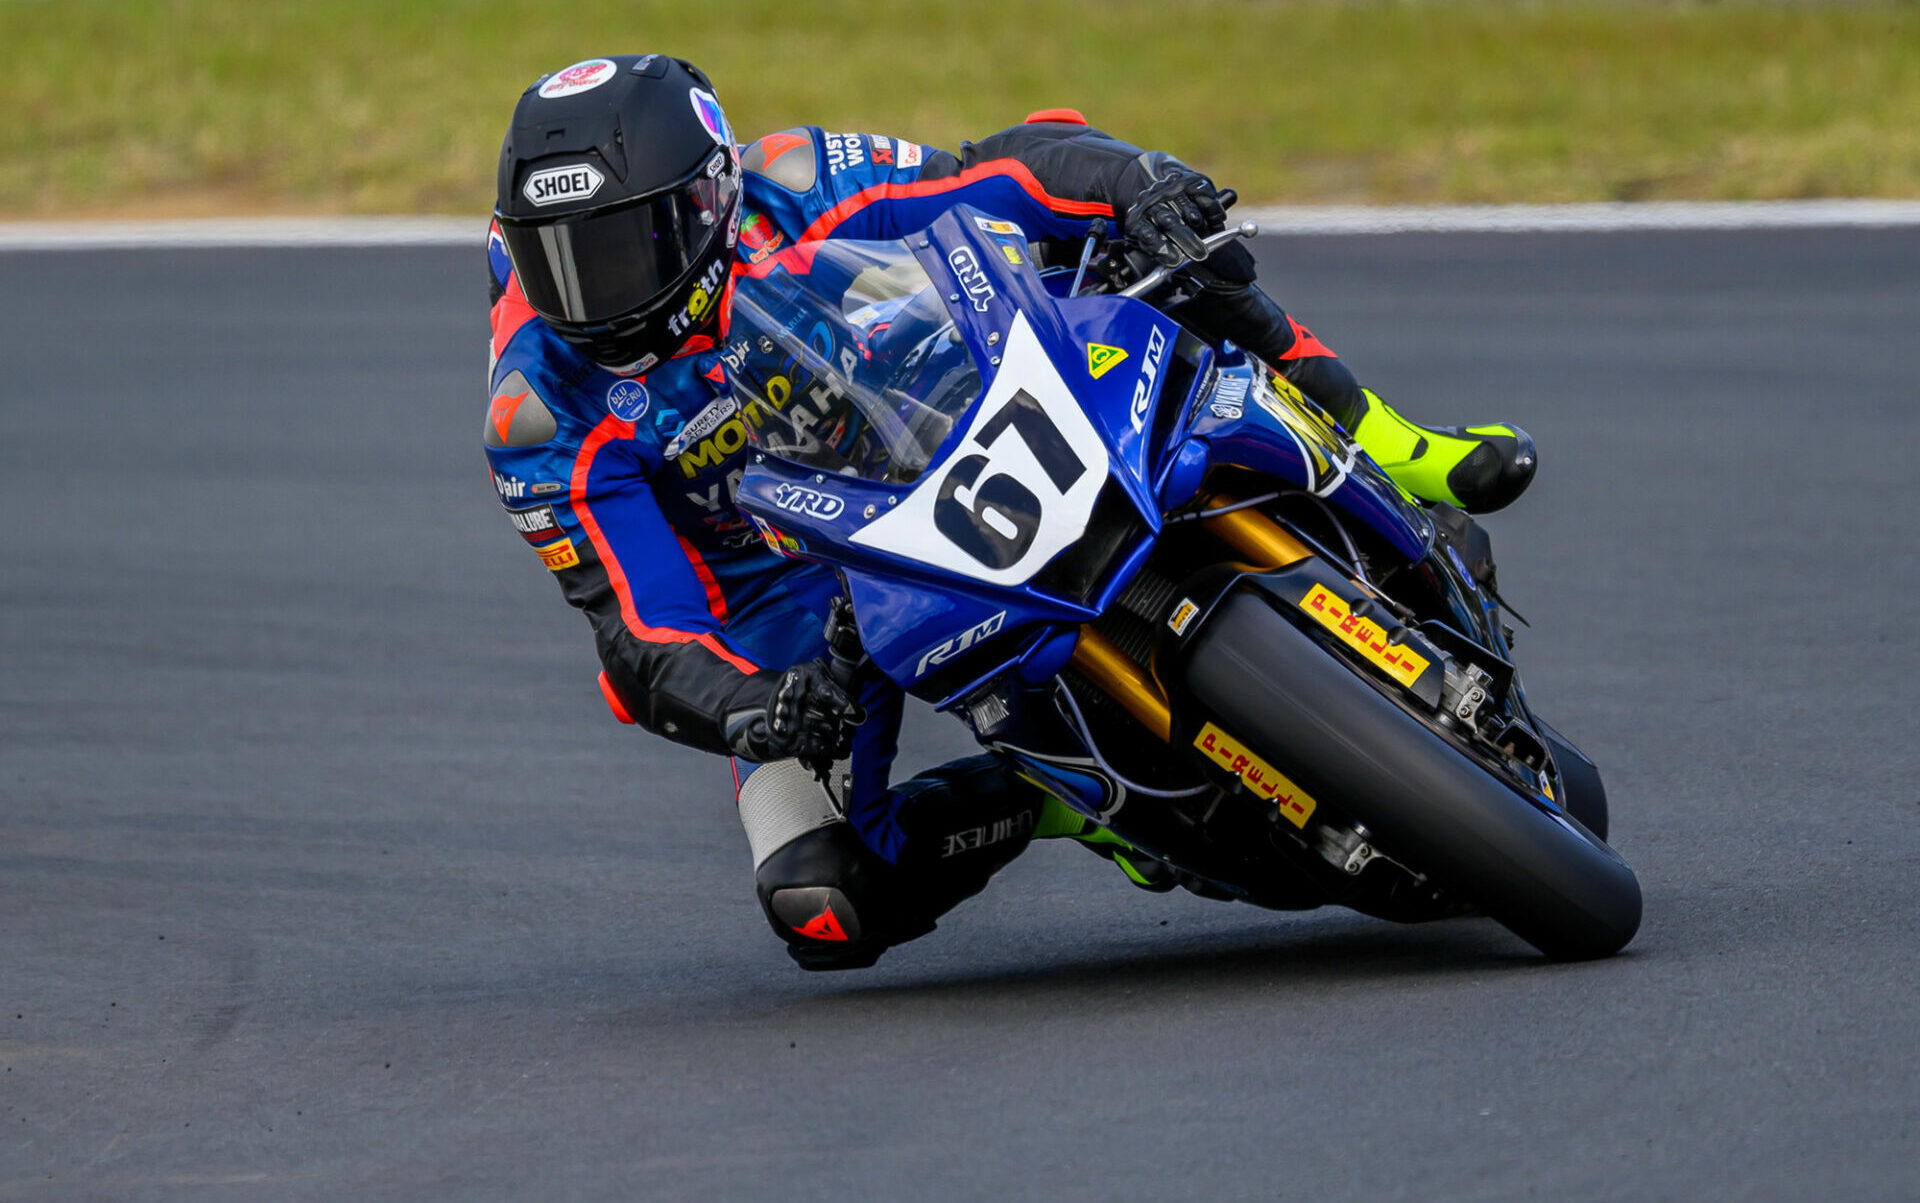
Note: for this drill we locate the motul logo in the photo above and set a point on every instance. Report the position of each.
(556, 184)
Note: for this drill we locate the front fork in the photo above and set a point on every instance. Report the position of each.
(1262, 543)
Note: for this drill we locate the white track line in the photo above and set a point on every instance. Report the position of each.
(1530, 219)
(243, 232)
(1294, 220)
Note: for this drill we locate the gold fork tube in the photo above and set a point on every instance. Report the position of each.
(1259, 538)
(1123, 681)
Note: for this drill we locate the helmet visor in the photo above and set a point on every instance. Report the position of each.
(591, 267)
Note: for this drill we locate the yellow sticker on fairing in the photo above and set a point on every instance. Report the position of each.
(1295, 804)
(1402, 664)
(1101, 359)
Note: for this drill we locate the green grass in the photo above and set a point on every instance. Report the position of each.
(225, 106)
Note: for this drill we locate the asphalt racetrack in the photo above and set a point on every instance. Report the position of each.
(324, 873)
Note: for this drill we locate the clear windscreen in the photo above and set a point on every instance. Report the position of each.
(845, 359)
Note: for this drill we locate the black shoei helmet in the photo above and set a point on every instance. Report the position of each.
(619, 198)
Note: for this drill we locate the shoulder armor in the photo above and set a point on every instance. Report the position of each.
(787, 158)
(517, 417)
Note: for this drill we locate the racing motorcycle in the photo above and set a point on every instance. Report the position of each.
(1163, 581)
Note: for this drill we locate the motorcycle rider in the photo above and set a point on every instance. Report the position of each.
(624, 209)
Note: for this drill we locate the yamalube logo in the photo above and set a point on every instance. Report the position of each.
(551, 185)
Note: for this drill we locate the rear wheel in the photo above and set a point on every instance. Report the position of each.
(1546, 878)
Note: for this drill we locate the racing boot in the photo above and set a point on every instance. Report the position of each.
(1059, 821)
(1478, 469)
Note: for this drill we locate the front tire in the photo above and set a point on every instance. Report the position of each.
(1544, 877)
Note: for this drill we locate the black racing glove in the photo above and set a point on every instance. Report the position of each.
(1173, 213)
(798, 713)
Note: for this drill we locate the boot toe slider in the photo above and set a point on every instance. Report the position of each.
(1496, 472)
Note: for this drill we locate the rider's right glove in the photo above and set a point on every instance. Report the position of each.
(1174, 212)
(798, 713)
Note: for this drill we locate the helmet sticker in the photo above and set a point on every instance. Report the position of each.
(628, 400)
(581, 77)
(552, 185)
(707, 109)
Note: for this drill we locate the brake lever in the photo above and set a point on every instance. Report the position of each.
(1212, 243)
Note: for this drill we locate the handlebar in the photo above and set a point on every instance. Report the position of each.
(843, 646)
(1213, 242)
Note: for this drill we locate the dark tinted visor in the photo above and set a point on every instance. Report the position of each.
(595, 266)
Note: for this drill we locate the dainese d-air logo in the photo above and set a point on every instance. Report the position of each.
(1102, 358)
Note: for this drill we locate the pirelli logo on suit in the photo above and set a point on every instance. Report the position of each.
(559, 555)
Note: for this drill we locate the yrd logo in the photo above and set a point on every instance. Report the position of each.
(806, 501)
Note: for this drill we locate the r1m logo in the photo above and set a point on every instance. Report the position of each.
(1149, 372)
(961, 642)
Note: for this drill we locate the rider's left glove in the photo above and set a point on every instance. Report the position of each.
(1176, 210)
(801, 713)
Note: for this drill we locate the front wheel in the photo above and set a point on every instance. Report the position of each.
(1544, 877)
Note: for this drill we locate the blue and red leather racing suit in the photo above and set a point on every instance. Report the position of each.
(622, 486)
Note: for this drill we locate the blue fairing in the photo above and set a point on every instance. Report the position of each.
(1256, 420)
(1103, 437)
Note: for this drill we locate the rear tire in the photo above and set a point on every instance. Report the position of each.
(1546, 878)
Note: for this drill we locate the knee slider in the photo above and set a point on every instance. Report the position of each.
(830, 897)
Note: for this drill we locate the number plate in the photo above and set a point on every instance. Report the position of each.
(1017, 490)
(1295, 804)
(1400, 663)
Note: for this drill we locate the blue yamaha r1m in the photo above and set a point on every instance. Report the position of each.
(1164, 583)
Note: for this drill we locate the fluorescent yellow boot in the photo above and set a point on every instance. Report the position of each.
(1477, 468)
(1058, 821)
